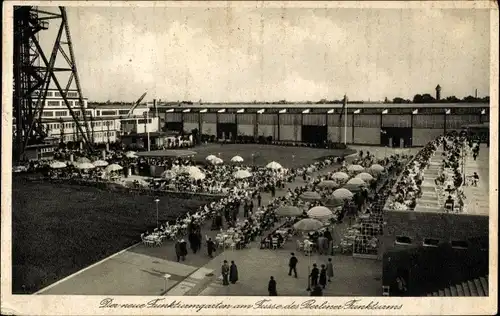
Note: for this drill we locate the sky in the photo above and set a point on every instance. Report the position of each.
(270, 54)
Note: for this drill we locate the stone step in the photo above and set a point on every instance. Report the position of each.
(453, 290)
(484, 284)
(479, 287)
(465, 286)
(472, 288)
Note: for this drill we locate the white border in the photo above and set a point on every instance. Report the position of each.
(88, 305)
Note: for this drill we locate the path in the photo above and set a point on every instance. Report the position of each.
(477, 198)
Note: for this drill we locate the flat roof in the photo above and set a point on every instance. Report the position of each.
(166, 153)
(304, 105)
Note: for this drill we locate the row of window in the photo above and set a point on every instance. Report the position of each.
(73, 125)
(69, 94)
(77, 112)
(432, 242)
(63, 113)
(46, 150)
(98, 135)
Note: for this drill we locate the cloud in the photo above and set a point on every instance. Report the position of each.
(230, 54)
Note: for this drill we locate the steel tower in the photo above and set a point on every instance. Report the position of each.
(35, 71)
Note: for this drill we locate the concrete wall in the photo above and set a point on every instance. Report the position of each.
(246, 129)
(290, 133)
(209, 129)
(266, 130)
(421, 225)
(189, 126)
(333, 134)
(367, 135)
(421, 136)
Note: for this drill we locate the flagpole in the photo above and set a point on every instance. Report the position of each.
(147, 129)
(345, 125)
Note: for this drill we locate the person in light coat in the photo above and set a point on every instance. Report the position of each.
(329, 269)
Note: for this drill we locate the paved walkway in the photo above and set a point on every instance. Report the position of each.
(477, 198)
(141, 270)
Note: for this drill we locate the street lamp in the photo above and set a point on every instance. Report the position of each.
(157, 200)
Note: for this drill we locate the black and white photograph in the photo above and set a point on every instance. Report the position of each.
(328, 156)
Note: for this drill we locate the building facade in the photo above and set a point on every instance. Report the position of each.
(397, 125)
(107, 122)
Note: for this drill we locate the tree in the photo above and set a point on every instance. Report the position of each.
(386, 100)
(423, 98)
(452, 99)
(398, 100)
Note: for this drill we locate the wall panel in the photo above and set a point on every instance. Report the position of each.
(289, 119)
(314, 119)
(190, 117)
(422, 136)
(246, 129)
(389, 120)
(209, 117)
(246, 118)
(333, 120)
(266, 130)
(367, 135)
(435, 121)
(333, 134)
(267, 119)
(173, 117)
(290, 133)
(189, 126)
(367, 120)
(457, 121)
(227, 118)
(209, 128)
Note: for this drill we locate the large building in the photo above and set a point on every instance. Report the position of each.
(365, 123)
(107, 122)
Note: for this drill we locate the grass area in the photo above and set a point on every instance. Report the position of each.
(287, 156)
(59, 230)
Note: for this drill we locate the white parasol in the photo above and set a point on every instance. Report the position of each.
(274, 165)
(100, 163)
(57, 165)
(288, 211)
(340, 176)
(342, 194)
(113, 167)
(211, 157)
(355, 168)
(85, 166)
(365, 176)
(236, 159)
(242, 174)
(320, 213)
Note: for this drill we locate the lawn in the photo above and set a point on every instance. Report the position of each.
(287, 156)
(59, 230)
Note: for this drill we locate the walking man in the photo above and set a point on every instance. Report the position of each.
(293, 265)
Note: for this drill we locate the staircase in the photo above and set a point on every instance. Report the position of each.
(476, 287)
(430, 196)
